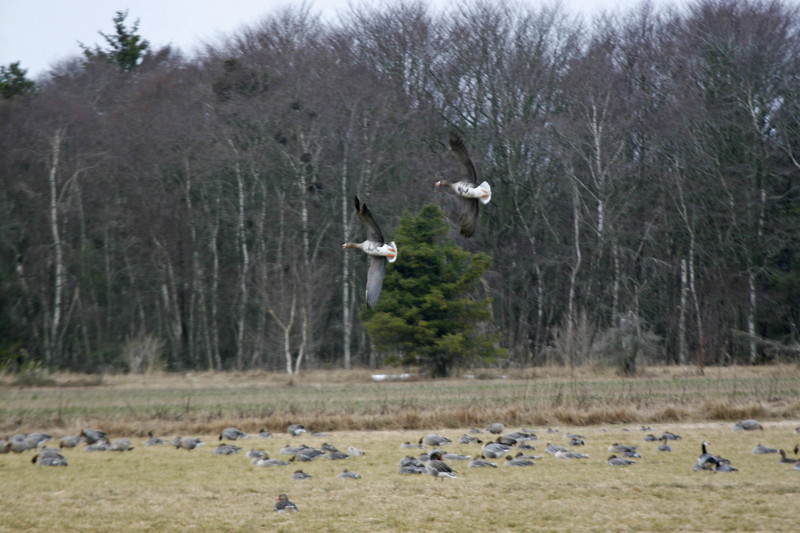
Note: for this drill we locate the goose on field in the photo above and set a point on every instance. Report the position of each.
(283, 505)
(438, 468)
(760, 449)
(232, 433)
(747, 425)
(377, 249)
(613, 460)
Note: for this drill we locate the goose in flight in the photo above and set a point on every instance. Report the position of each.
(377, 249)
(467, 187)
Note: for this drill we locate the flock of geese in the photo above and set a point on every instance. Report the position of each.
(436, 462)
(379, 251)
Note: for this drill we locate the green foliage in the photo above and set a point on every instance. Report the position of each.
(13, 81)
(125, 48)
(429, 311)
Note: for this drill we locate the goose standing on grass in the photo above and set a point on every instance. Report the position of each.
(377, 249)
(467, 187)
(438, 468)
(665, 447)
(284, 505)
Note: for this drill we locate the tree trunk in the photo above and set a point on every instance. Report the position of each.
(53, 351)
(682, 347)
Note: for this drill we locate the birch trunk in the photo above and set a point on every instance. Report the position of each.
(682, 347)
(53, 348)
(347, 321)
(245, 265)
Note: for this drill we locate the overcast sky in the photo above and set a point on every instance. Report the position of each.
(40, 33)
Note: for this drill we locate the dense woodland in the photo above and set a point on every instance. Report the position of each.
(189, 212)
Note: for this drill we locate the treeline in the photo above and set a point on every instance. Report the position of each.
(190, 212)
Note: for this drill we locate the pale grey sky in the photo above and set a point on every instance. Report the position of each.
(40, 33)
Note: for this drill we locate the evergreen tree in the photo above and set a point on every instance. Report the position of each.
(14, 82)
(125, 48)
(429, 311)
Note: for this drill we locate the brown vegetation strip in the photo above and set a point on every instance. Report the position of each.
(338, 400)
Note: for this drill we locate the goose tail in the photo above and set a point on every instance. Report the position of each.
(486, 195)
(392, 255)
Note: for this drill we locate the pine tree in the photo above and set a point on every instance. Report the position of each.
(14, 82)
(429, 310)
(125, 48)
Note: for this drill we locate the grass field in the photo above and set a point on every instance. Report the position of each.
(164, 489)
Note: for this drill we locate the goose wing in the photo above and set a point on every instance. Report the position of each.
(461, 154)
(469, 216)
(377, 268)
(373, 231)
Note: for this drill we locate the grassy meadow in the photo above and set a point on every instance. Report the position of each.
(164, 489)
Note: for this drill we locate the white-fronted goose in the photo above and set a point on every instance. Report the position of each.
(467, 187)
(438, 468)
(264, 434)
(283, 505)
(378, 250)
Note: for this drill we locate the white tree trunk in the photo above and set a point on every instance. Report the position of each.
(682, 347)
(53, 348)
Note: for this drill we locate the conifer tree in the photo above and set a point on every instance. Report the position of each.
(125, 48)
(430, 312)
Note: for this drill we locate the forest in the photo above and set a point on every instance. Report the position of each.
(174, 212)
